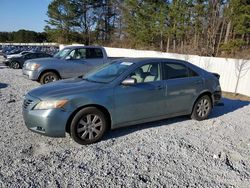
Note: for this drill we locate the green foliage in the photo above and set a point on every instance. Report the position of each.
(239, 13)
(86, 17)
(62, 17)
(6, 36)
(23, 36)
(199, 13)
(233, 45)
(146, 20)
(179, 17)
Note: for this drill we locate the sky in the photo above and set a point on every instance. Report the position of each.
(23, 14)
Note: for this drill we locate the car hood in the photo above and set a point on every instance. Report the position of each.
(14, 55)
(64, 88)
(47, 60)
(15, 58)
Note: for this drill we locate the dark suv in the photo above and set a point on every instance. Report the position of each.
(16, 62)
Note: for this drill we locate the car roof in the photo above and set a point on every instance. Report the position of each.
(149, 60)
(81, 46)
(137, 60)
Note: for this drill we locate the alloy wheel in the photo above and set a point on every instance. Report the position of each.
(49, 78)
(15, 65)
(203, 107)
(89, 127)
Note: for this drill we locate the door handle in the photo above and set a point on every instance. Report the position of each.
(198, 82)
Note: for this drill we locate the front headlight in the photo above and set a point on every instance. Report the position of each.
(34, 66)
(52, 104)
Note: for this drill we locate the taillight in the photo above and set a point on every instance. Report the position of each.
(216, 75)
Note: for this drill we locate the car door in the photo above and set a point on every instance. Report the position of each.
(182, 87)
(143, 99)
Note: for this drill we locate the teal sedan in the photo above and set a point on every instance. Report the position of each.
(122, 93)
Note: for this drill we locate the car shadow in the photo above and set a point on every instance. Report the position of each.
(134, 128)
(226, 106)
(2, 85)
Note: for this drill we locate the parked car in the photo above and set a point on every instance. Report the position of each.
(16, 62)
(8, 58)
(121, 93)
(72, 61)
(17, 55)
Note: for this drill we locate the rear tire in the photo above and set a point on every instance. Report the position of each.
(202, 108)
(48, 77)
(88, 126)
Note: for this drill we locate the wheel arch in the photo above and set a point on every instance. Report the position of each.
(208, 93)
(99, 107)
(48, 70)
(14, 61)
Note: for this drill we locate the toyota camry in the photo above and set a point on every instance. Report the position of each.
(121, 93)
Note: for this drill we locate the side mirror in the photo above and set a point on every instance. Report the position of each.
(129, 81)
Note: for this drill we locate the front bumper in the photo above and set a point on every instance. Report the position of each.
(32, 74)
(46, 122)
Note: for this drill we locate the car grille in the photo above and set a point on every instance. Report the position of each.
(26, 103)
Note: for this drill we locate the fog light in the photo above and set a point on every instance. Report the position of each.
(40, 129)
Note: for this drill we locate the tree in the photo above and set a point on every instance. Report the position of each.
(237, 14)
(199, 13)
(23, 36)
(179, 17)
(201, 27)
(62, 18)
(145, 22)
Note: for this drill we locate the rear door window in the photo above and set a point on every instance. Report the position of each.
(174, 70)
(93, 53)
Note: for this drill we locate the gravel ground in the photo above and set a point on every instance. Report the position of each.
(177, 152)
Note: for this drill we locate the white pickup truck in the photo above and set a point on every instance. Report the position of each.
(71, 61)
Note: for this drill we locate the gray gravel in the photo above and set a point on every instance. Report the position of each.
(177, 152)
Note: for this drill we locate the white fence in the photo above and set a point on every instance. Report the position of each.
(235, 73)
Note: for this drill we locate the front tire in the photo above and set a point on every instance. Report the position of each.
(15, 65)
(48, 77)
(202, 108)
(88, 126)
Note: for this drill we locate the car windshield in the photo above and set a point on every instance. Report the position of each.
(108, 72)
(62, 53)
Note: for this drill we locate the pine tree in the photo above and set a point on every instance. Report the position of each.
(62, 17)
